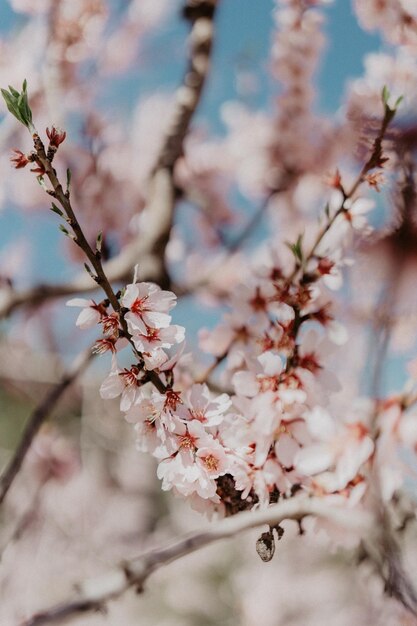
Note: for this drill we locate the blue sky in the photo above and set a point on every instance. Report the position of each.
(244, 31)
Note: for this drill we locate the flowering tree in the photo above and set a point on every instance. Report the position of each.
(294, 411)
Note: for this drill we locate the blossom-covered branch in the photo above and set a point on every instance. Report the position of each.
(201, 37)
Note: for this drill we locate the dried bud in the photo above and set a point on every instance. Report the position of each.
(20, 160)
(265, 546)
(40, 170)
(56, 136)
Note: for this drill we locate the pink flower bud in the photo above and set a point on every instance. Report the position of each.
(20, 160)
(56, 136)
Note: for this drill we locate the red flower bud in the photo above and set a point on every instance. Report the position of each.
(56, 136)
(40, 170)
(20, 160)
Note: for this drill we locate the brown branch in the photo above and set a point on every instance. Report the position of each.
(152, 243)
(35, 421)
(94, 594)
(148, 248)
(94, 256)
(375, 160)
(201, 14)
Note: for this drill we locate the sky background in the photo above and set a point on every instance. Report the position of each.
(243, 39)
(244, 32)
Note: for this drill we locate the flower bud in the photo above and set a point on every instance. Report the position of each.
(56, 136)
(20, 160)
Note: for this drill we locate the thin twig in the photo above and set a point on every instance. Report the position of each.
(35, 421)
(253, 221)
(148, 248)
(160, 207)
(375, 160)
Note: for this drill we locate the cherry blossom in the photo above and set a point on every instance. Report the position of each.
(148, 307)
(199, 404)
(336, 454)
(91, 314)
(121, 382)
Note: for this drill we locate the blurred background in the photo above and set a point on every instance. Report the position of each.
(107, 71)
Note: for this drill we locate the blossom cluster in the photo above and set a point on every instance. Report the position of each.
(397, 19)
(272, 431)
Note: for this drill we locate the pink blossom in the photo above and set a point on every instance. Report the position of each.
(148, 307)
(196, 461)
(337, 452)
(201, 405)
(154, 338)
(263, 376)
(263, 414)
(91, 314)
(121, 382)
(213, 460)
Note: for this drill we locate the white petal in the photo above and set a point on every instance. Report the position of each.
(245, 384)
(337, 333)
(128, 397)
(130, 295)
(286, 449)
(111, 387)
(82, 302)
(155, 319)
(314, 459)
(87, 318)
(271, 363)
(320, 424)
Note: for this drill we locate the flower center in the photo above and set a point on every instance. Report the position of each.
(129, 377)
(258, 302)
(198, 414)
(152, 334)
(267, 383)
(187, 442)
(139, 305)
(310, 363)
(172, 398)
(211, 462)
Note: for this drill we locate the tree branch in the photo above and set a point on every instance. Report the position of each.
(35, 421)
(148, 248)
(94, 594)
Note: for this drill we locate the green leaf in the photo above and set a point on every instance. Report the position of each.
(385, 95)
(56, 210)
(64, 230)
(18, 105)
(296, 248)
(398, 102)
(99, 241)
(41, 182)
(69, 175)
(14, 92)
(11, 104)
(88, 270)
